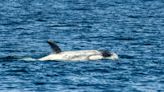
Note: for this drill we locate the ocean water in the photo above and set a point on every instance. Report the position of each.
(134, 29)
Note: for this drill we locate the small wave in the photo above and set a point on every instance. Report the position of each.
(9, 58)
(127, 56)
(13, 58)
(28, 59)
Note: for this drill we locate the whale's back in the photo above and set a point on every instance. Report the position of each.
(75, 55)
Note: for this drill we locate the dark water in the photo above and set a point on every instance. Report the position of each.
(134, 29)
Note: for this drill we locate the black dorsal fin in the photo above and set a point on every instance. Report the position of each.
(54, 46)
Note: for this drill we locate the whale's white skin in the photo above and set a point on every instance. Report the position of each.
(80, 55)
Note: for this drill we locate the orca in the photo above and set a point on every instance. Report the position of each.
(80, 55)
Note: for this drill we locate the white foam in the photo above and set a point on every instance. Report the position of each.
(28, 59)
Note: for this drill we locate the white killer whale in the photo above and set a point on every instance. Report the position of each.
(80, 55)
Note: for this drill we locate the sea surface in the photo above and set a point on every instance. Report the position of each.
(134, 29)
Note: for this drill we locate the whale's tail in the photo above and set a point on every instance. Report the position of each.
(54, 46)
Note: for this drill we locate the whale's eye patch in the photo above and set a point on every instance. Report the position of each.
(106, 53)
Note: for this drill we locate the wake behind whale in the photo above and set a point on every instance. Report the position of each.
(10, 58)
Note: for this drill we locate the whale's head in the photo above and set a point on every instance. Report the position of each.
(109, 55)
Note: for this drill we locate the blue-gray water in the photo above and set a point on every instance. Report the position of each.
(134, 29)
